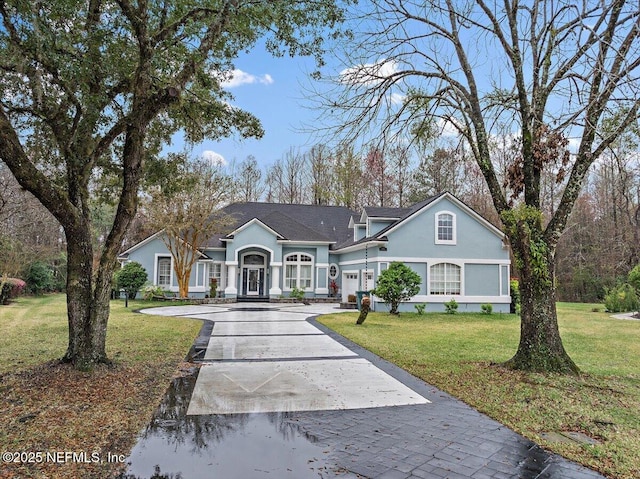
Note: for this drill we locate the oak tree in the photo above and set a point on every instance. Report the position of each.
(92, 88)
(551, 69)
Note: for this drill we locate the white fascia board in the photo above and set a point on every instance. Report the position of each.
(420, 260)
(460, 204)
(294, 242)
(255, 221)
(142, 243)
(358, 247)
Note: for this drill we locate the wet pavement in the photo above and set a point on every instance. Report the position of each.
(317, 409)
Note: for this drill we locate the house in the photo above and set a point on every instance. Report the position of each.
(274, 248)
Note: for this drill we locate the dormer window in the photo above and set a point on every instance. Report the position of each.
(445, 228)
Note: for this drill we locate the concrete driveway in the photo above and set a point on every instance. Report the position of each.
(265, 357)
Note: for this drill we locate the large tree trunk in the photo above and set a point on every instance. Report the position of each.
(540, 347)
(87, 316)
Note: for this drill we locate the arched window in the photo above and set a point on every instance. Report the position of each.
(444, 278)
(445, 228)
(298, 271)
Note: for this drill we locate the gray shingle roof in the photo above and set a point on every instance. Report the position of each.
(294, 222)
(312, 222)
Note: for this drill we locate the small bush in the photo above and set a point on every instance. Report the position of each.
(149, 291)
(486, 308)
(10, 288)
(420, 308)
(131, 277)
(297, 294)
(451, 307)
(621, 299)
(40, 278)
(514, 291)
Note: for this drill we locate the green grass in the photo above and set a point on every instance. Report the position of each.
(456, 352)
(34, 330)
(47, 406)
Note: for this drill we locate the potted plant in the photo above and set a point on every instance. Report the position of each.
(333, 288)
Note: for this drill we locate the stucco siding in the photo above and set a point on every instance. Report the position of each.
(416, 237)
(482, 280)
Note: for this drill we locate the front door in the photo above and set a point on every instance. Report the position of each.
(253, 281)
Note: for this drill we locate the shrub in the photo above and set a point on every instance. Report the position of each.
(486, 308)
(297, 294)
(149, 291)
(40, 278)
(213, 287)
(131, 277)
(514, 288)
(396, 284)
(634, 278)
(451, 307)
(621, 299)
(420, 308)
(10, 288)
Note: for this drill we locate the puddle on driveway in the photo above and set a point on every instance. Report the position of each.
(177, 446)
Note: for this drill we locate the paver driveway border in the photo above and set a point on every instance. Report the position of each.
(443, 439)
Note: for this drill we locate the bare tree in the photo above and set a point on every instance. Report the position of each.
(189, 214)
(320, 174)
(553, 69)
(248, 180)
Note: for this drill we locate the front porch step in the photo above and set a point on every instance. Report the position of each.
(252, 299)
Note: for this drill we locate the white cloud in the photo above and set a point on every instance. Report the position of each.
(397, 98)
(448, 127)
(369, 73)
(238, 77)
(214, 158)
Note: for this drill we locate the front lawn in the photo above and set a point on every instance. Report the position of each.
(51, 408)
(455, 352)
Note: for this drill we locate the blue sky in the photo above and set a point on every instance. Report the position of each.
(273, 89)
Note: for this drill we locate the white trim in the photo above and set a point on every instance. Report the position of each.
(337, 271)
(460, 204)
(390, 259)
(443, 298)
(298, 263)
(231, 263)
(249, 246)
(301, 242)
(253, 221)
(141, 243)
(452, 241)
(380, 263)
(508, 280)
(359, 246)
(155, 269)
(462, 278)
(318, 268)
(275, 263)
(202, 284)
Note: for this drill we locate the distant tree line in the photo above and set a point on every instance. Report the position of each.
(599, 248)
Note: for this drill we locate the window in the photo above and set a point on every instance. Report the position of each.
(367, 281)
(164, 271)
(334, 271)
(444, 278)
(298, 271)
(445, 228)
(215, 272)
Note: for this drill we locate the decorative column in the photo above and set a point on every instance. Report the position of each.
(275, 289)
(232, 280)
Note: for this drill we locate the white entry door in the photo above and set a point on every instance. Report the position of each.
(349, 285)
